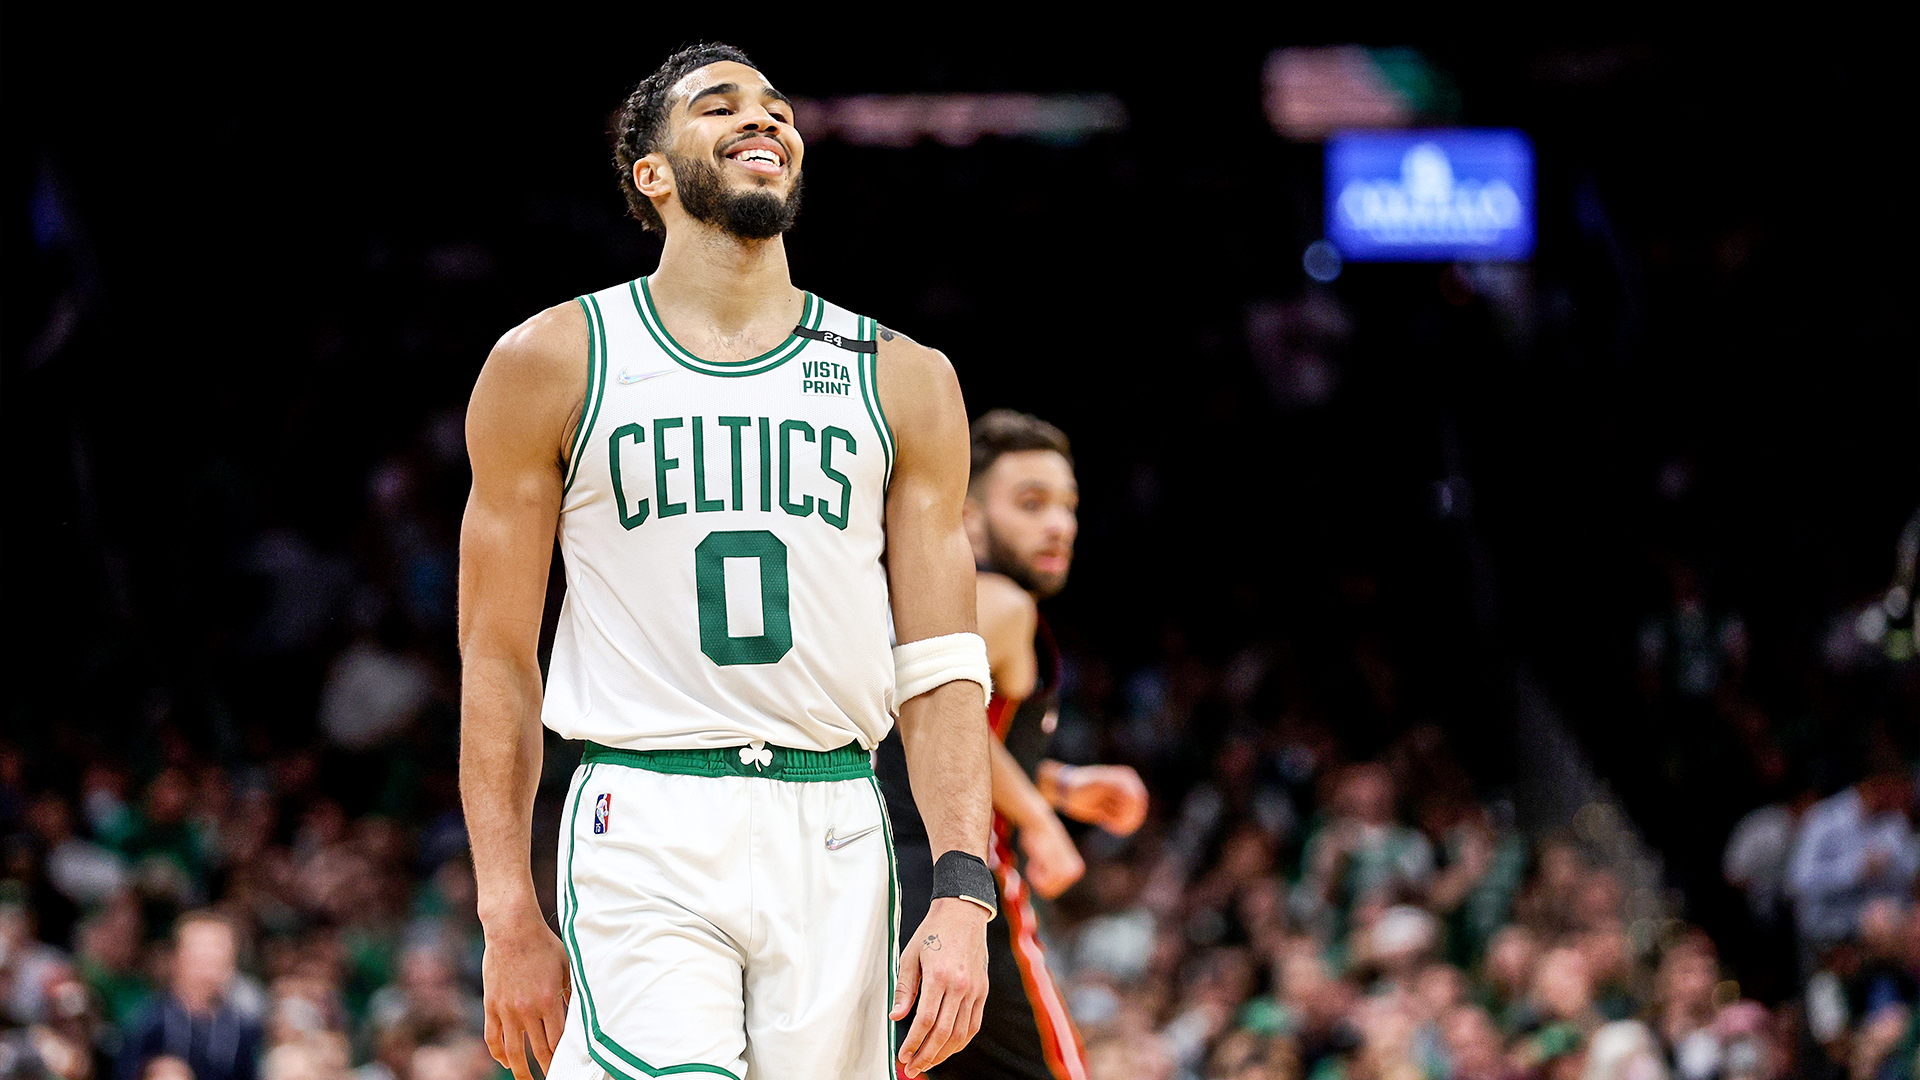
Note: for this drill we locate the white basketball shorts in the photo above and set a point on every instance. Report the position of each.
(729, 913)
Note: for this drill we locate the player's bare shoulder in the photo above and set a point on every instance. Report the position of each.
(531, 389)
(1003, 604)
(918, 388)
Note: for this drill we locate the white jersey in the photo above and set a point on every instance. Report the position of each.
(722, 526)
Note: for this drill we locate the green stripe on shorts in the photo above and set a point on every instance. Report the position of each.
(849, 762)
(598, 1040)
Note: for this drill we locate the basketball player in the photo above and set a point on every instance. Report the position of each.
(724, 458)
(1021, 521)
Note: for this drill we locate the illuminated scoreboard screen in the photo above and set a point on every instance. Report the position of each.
(1430, 196)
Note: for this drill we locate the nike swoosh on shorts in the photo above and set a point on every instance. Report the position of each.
(835, 843)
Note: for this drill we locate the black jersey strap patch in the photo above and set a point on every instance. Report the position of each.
(847, 343)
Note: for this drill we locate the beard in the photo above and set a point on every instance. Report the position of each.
(1002, 559)
(743, 215)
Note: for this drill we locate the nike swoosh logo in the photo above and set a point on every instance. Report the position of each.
(627, 378)
(835, 843)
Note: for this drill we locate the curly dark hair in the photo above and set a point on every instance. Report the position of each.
(642, 123)
(1007, 431)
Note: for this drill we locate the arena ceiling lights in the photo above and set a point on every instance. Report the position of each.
(901, 120)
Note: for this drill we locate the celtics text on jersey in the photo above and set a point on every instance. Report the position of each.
(722, 526)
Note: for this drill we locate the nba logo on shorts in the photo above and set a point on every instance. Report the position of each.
(602, 809)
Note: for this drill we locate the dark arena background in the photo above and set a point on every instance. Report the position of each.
(1520, 654)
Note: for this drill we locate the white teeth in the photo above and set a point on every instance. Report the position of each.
(757, 155)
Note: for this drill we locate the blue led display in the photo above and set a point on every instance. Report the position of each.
(1430, 196)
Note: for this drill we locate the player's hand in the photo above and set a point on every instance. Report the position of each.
(945, 964)
(524, 978)
(1110, 796)
(1053, 863)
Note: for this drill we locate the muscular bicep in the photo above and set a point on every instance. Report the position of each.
(506, 547)
(929, 563)
(522, 407)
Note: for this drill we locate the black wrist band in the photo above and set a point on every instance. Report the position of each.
(965, 876)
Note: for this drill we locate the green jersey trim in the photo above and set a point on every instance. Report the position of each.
(616, 1059)
(810, 312)
(849, 762)
(596, 387)
(868, 365)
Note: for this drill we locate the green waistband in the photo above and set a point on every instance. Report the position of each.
(847, 762)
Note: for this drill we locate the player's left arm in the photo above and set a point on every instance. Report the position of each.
(943, 731)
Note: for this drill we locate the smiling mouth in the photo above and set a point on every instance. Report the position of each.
(758, 158)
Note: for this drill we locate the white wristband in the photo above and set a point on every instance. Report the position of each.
(920, 666)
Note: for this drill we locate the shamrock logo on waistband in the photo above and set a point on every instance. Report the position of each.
(756, 755)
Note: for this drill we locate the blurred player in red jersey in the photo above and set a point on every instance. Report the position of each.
(1021, 508)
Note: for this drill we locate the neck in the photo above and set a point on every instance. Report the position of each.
(720, 283)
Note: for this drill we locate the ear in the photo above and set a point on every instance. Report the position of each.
(652, 176)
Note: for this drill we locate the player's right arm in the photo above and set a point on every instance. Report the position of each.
(518, 426)
(943, 731)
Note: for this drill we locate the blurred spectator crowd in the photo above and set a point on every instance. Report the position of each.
(183, 929)
(1298, 916)
(264, 873)
(1295, 914)
(1404, 930)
